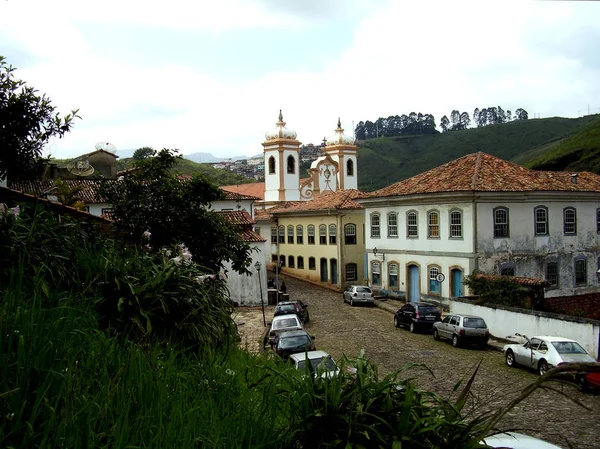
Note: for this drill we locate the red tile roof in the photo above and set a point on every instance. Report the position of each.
(238, 196)
(587, 305)
(248, 235)
(261, 214)
(529, 282)
(482, 172)
(88, 195)
(339, 200)
(254, 189)
(237, 217)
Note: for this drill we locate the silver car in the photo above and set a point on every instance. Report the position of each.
(283, 323)
(543, 353)
(462, 329)
(359, 293)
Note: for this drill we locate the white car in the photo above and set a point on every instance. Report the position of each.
(545, 352)
(516, 440)
(318, 360)
(359, 293)
(283, 323)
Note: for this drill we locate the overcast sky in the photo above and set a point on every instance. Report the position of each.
(204, 76)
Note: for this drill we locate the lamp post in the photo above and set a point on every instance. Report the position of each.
(258, 266)
(598, 274)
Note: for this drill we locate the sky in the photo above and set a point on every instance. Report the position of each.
(211, 76)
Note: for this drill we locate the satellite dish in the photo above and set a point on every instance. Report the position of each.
(80, 167)
(106, 146)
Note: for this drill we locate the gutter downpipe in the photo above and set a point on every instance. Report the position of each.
(475, 227)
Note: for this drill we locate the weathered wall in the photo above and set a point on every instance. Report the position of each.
(504, 321)
(246, 289)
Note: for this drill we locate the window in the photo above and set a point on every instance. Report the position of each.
(274, 234)
(375, 273)
(350, 167)
(351, 272)
(332, 234)
(412, 228)
(434, 284)
(597, 220)
(300, 263)
(570, 221)
(274, 258)
(456, 224)
(311, 234)
(540, 215)
(393, 275)
(257, 230)
(271, 165)
(291, 164)
(500, 222)
(299, 235)
(392, 224)
(507, 269)
(350, 234)
(552, 274)
(580, 271)
(282, 261)
(290, 233)
(291, 263)
(281, 234)
(375, 226)
(311, 263)
(433, 225)
(322, 234)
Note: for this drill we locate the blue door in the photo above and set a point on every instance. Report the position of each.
(413, 283)
(334, 271)
(324, 276)
(457, 283)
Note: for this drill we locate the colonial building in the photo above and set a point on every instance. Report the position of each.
(479, 212)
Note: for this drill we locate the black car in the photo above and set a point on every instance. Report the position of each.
(296, 307)
(293, 342)
(417, 316)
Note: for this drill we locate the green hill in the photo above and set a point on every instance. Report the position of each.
(387, 160)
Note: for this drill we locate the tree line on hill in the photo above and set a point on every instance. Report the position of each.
(419, 123)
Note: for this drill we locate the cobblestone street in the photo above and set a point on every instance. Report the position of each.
(344, 330)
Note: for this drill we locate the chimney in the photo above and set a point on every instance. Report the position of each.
(574, 178)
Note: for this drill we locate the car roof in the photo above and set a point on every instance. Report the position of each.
(283, 317)
(364, 286)
(550, 338)
(287, 303)
(309, 355)
(465, 316)
(292, 333)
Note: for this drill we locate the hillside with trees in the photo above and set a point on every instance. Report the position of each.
(386, 160)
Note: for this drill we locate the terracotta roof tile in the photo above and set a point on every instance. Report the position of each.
(339, 200)
(261, 214)
(530, 282)
(238, 196)
(237, 217)
(250, 236)
(88, 195)
(254, 189)
(482, 172)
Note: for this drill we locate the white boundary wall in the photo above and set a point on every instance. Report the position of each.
(504, 321)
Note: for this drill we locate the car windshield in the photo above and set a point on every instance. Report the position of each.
(328, 362)
(474, 323)
(287, 308)
(363, 290)
(425, 309)
(288, 322)
(568, 347)
(294, 342)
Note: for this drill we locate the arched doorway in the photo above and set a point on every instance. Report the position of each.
(334, 271)
(456, 277)
(413, 283)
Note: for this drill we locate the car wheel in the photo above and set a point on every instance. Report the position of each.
(582, 383)
(396, 321)
(352, 302)
(543, 367)
(344, 298)
(436, 336)
(455, 341)
(510, 358)
(412, 328)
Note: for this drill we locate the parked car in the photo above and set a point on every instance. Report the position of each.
(316, 359)
(292, 342)
(417, 316)
(545, 352)
(516, 440)
(359, 293)
(296, 307)
(462, 329)
(282, 323)
(588, 381)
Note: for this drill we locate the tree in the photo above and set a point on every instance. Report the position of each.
(28, 123)
(521, 114)
(143, 153)
(455, 119)
(360, 131)
(444, 122)
(155, 199)
(465, 121)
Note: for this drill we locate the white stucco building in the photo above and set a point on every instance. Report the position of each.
(481, 213)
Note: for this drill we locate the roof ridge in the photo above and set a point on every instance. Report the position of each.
(475, 176)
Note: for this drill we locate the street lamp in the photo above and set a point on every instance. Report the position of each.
(375, 251)
(598, 274)
(258, 266)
